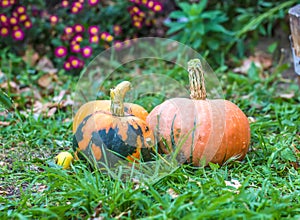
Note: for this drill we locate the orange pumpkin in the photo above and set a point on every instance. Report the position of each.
(200, 130)
(93, 106)
(107, 136)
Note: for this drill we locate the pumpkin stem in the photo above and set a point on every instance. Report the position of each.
(196, 78)
(117, 98)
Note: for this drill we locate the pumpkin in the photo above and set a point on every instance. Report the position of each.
(198, 129)
(93, 106)
(106, 136)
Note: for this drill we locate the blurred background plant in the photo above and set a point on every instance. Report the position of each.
(216, 28)
(70, 33)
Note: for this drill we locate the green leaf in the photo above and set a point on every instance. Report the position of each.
(272, 47)
(186, 7)
(174, 27)
(5, 100)
(177, 14)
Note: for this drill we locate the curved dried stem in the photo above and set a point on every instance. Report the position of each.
(196, 78)
(117, 96)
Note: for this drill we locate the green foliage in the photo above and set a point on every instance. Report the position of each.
(216, 27)
(201, 29)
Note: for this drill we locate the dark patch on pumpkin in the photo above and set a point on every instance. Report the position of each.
(172, 134)
(193, 139)
(79, 132)
(112, 141)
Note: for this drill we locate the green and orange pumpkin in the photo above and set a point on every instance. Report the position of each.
(105, 105)
(199, 129)
(106, 136)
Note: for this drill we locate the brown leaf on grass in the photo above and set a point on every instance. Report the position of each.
(46, 65)
(51, 112)
(34, 91)
(46, 80)
(260, 59)
(287, 95)
(97, 212)
(60, 96)
(31, 57)
(4, 123)
(67, 102)
(11, 85)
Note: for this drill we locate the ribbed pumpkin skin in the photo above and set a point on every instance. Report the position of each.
(210, 130)
(93, 106)
(101, 132)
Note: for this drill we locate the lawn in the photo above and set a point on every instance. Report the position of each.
(42, 94)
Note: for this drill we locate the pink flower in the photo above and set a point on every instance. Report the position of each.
(21, 10)
(74, 61)
(77, 39)
(117, 29)
(78, 28)
(4, 31)
(18, 34)
(5, 3)
(150, 4)
(23, 17)
(13, 21)
(94, 39)
(15, 27)
(3, 19)
(137, 24)
(118, 45)
(136, 1)
(67, 65)
(86, 51)
(53, 19)
(157, 7)
(28, 24)
(77, 5)
(107, 37)
(68, 30)
(60, 51)
(74, 10)
(93, 30)
(93, 2)
(64, 4)
(75, 48)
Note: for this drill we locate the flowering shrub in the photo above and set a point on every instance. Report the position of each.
(71, 32)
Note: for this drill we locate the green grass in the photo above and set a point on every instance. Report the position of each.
(31, 186)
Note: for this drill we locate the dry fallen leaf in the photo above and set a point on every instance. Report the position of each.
(98, 211)
(60, 96)
(13, 86)
(31, 57)
(260, 59)
(4, 123)
(287, 95)
(46, 65)
(51, 112)
(46, 80)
